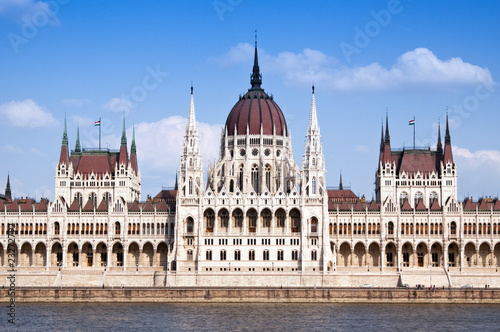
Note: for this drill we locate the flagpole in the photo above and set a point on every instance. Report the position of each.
(100, 134)
(413, 132)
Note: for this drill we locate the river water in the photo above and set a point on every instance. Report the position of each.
(252, 317)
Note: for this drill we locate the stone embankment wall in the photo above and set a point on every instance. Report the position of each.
(318, 295)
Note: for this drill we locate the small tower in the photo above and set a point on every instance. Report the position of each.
(63, 169)
(313, 166)
(385, 179)
(191, 168)
(8, 192)
(78, 148)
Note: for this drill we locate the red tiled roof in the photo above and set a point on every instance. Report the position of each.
(162, 206)
(99, 164)
(373, 206)
(13, 207)
(167, 195)
(468, 205)
(89, 206)
(148, 207)
(335, 193)
(253, 110)
(27, 206)
(123, 156)
(134, 207)
(496, 206)
(75, 206)
(412, 161)
(344, 207)
(420, 205)
(359, 206)
(483, 205)
(406, 206)
(103, 206)
(435, 206)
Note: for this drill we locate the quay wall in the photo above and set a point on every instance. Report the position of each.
(234, 294)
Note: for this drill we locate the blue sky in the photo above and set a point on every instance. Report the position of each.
(97, 59)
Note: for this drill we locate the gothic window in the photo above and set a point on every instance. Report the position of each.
(295, 220)
(240, 178)
(252, 220)
(93, 198)
(251, 255)
(189, 255)
(453, 228)
(238, 218)
(314, 255)
(268, 177)
(222, 255)
(313, 191)
(266, 218)
(231, 186)
(106, 197)
(418, 197)
(79, 198)
(314, 225)
(190, 162)
(280, 255)
(402, 198)
(255, 178)
(190, 186)
(209, 255)
(313, 162)
(224, 218)
(209, 220)
(295, 255)
(280, 218)
(56, 228)
(237, 255)
(265, 255)
(432, 197)
(390, 227)
(117, 228)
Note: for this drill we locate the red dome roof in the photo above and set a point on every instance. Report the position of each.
(252, 110)
(256, 109)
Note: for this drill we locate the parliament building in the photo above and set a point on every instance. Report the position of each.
(259, 220)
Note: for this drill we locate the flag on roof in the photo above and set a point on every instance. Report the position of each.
(97, 123)
(412, 122)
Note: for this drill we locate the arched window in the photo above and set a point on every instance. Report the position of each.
(295, 255)
(190, 186)
(190, 255)
(240, 178)
(418, 197)
(266, 218)
(295, 220)
(314, 225)
(79, 198)
(209, 255)
(314, 255)
(209, 220)
(224, 218)
(117, 228)
(280, 218)
(255, 178)
(432, 197)
(238, 218)
(390, 228)
(313, 185)
(231, 186)
(268, 177)
(402, 198)
(237, 255)
(56, 228)
(252, 220)
(93, 198)
(106, 197)
(223, 255)
(280, 255)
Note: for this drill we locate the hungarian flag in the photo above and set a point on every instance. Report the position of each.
(97, 123)
(411, 122)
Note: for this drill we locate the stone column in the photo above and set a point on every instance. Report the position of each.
(429, 257)
(125, 254)
(477, 257)
(445, 255)
(492, 259)
(461, 253)
(140, 257)
(64, 256)
(398, 259)
(108, 258)
(414, 256)
(351, 256)
(47, 259)
(382, 258)
(94, 257)
(33, 263)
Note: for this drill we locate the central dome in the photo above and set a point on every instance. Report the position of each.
(256, 109)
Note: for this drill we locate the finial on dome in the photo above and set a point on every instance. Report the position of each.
(313, 87)
(256, 77)
(191, 87)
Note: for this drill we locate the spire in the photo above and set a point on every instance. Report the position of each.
(447, 138)
(439, 145)
(8, 192)
(124, 134)
(448, 155)
(176, 183)
(191, 118)
(256, 78)
(387, 136)
(313, 117)
(341, 187)
(132, 147)
(65, 134)
(77, 145)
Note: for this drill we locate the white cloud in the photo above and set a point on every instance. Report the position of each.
(82, 121)
(117, 105)
(30, 10)
(159, 144)
(479, 157)
(417, 67)
(26, 113)
(76, 102)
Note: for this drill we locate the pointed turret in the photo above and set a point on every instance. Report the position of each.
(313, 117)
(439, 147)
(191, 118)
(176, 183)
(387, 142)
(64, 157)
(448, 156)
(133, 154)
(77, 145)
(382, 138)
(341, 187)
(123, 147)
(256, 77)
(8, 192)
